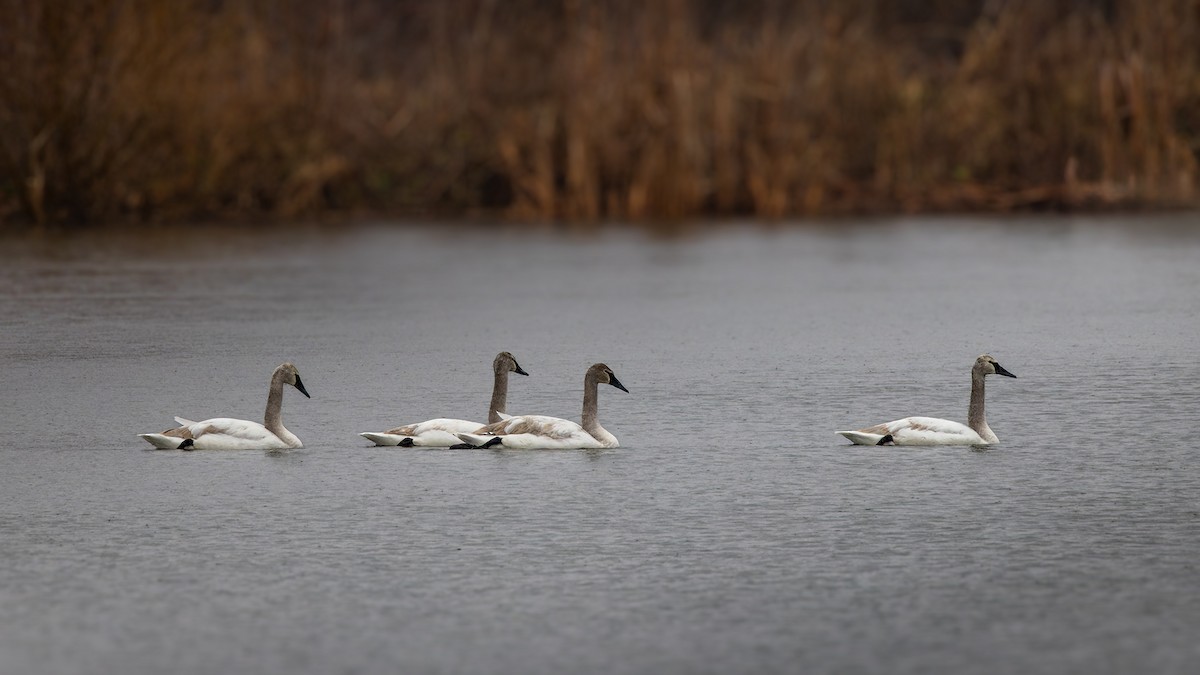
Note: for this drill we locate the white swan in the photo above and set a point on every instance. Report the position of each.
(539, 432)
(934, 431)
(440, 433)
(225, 433)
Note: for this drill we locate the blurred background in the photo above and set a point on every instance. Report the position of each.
(591, 110)
(771, 219)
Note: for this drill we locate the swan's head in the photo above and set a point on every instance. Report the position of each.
(986, 365)
(288, 373)
(605, 375)
(506, 363)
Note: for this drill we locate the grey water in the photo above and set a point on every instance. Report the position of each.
(731, 532)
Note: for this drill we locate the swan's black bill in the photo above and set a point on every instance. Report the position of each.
(495, 440)
(300, 386)
(886, 440)
(187, 444)
(517, 368)
(612, 379)
(405, 442)
(1001, 371)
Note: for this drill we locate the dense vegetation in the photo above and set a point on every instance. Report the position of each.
(585, 110)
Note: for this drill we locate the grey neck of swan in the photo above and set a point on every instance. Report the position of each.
(499, 397)
(272, 419)
(975, 417)
(590, 396)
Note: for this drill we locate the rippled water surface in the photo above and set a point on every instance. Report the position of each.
(732, 531)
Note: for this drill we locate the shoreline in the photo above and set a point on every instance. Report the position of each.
(964, 200)
(1027, 204)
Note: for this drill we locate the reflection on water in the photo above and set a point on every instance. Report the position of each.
(731, 532)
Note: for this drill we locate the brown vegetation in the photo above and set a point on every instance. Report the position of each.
(587, 110)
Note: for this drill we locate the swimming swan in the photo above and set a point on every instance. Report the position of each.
(224, 433)
(538, 432)
(934, 431)
(439, 433)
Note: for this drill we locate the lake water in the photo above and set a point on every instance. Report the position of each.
(732, 531)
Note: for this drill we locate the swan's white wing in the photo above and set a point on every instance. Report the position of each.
(917, 431)
(932, 431)
(538, 425)
(223, 433)
(446, 424)
(183, 421)
(581, 439)
(533, 432)
(435, 433)
(228, 426)
(227, 433)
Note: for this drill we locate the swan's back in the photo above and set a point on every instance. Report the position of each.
(227, 433)
(446, 424)
(917, 431)
(537, 425)
(435, 433)
(539, 432)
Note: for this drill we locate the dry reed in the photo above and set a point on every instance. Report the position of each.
(583, 111)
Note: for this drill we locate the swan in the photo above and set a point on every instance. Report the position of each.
(934, 431)
(225, 433)
(439, 433)
(539, 432)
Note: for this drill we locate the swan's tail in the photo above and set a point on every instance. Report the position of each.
(388, 439)
(480, 441)
(862, 438)
(164, 442)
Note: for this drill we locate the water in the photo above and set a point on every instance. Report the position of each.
(732, 531)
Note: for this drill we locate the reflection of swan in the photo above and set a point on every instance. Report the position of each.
(541, 432)
(934, 431)
(439, 433)
(224, 433)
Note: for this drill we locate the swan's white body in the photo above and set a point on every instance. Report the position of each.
(437, 433)
(227, 433)
(920, 431)
(440, 432)
(541, 432)
(936, 431)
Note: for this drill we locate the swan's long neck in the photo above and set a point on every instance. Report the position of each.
(590, 396)
(975, 416)
(272, 419)
(499, 397)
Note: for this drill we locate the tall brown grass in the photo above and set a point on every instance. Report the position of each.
(587, 110)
